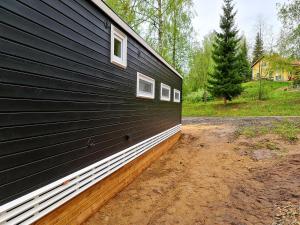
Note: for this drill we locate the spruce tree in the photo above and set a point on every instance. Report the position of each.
(244, 63)
(225, 80)
(258, 48)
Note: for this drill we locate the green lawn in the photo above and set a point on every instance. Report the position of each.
(278, 102)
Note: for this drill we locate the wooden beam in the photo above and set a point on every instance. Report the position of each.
(80, 208)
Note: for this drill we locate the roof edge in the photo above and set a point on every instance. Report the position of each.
(259, 59)
(129, 30)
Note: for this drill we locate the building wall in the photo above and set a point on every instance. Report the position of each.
(255, 71)
(63, 105)
(276, 76)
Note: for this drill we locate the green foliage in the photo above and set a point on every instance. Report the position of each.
(289, 43)
(225, 80)
(253, 131)
(128, 10)
(164, 24)
(279, 103)
(243, 61)
(201, 95)
(180, 30)
(252, 89)
(296, 81)
(201, 65)
(277, 62)
(287, 130)
(258, 51)
(157, 26)
(258, 91)
(168, 29)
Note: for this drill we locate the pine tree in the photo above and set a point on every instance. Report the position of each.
(226, 81)
(244, 64)
(258, 48)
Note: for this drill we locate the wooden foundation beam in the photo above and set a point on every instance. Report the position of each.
(81, 207)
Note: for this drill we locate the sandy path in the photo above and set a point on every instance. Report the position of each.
(203, 180)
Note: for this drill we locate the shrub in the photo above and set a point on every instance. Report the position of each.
(198, 96)
(296, 82)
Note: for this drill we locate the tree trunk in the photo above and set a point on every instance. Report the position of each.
(260, 97)
(225, 100)
(174, 37)
(160, 26)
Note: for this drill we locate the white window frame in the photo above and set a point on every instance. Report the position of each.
(119, 35)
(142, 94)
(163, 98)
(176, 91)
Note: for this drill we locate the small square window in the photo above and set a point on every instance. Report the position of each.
(165, 92)
(145, 86)
(118, 54)
(176, 95)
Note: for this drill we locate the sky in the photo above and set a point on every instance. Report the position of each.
(207, 17)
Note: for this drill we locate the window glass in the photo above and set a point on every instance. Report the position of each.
(176, 95)
(145, 86)
(117, 47)
(165, 92)
(118, 52)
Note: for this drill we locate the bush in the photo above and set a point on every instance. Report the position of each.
(296, 82)
(198, 96)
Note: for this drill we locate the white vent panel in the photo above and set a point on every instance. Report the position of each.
(31, 207)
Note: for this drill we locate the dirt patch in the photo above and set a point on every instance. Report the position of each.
(262, 147)
(263, 196)
(207, 179)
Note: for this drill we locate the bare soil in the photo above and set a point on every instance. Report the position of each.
(211, 176)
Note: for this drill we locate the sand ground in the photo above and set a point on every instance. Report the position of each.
(211, 176)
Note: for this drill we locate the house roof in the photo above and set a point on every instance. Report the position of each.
(259, 59)
(295, 63)
(107, 10)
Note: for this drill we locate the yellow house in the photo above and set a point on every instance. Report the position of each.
(261, 69)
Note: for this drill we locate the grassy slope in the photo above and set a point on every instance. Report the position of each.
(278, 103)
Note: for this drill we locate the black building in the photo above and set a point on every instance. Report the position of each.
(81, 94)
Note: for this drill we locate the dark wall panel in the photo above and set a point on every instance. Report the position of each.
(59, 93)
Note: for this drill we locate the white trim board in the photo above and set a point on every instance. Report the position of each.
(34, 205)
(130, 31)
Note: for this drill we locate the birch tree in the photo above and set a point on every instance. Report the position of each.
(289, 42)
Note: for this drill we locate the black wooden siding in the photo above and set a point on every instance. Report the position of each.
(63, 105)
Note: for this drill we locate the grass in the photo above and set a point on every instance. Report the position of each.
(286, 130)
(277, 102)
